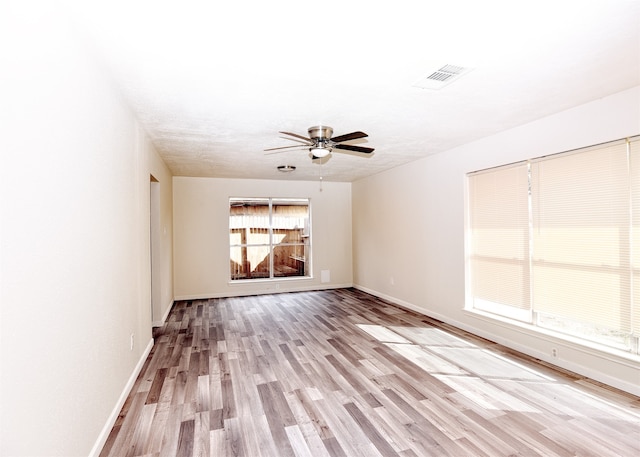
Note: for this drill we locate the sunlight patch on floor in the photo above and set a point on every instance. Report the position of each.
(485, 395)
(383, 334)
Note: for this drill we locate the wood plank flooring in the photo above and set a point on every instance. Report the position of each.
(342, 373)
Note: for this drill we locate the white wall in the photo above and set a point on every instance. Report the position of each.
(201, 234)
(74, 241)
(409, 228)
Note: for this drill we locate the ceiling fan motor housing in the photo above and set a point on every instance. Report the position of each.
(320, 132)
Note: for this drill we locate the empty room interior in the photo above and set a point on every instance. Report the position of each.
(320, 229)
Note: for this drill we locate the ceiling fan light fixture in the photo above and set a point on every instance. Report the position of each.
(320, 152)
(286, 168)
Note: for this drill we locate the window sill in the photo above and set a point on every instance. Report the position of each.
(590, 347)
(268, 280)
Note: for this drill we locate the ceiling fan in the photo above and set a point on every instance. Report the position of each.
(320, 143)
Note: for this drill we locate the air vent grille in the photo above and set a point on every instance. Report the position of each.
(441, 77)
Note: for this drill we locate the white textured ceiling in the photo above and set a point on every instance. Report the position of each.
(213, 82)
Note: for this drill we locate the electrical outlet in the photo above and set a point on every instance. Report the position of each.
(554, 352)
(131, 348)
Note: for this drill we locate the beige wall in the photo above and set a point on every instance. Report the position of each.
(201, 234)
(162, 259)
(74, 243)
(409, 226)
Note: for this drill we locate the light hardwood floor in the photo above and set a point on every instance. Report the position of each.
(343, 373)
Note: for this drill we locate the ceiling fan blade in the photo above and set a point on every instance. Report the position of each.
(349, 136)
(308, 142)
(281, 150)
(306, 138)
(349, 147)
(299, 146)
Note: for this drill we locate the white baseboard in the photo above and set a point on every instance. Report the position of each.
(245, 292)
(161, 322)
(395, 301)
(106, 430)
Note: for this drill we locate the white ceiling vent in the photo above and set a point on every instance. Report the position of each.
(441, 77)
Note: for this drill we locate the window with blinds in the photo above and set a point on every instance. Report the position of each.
(555, 242)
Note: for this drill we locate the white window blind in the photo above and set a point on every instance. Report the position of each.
(634, 152)
(581, 220)
(499, 228)
(555, 242)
